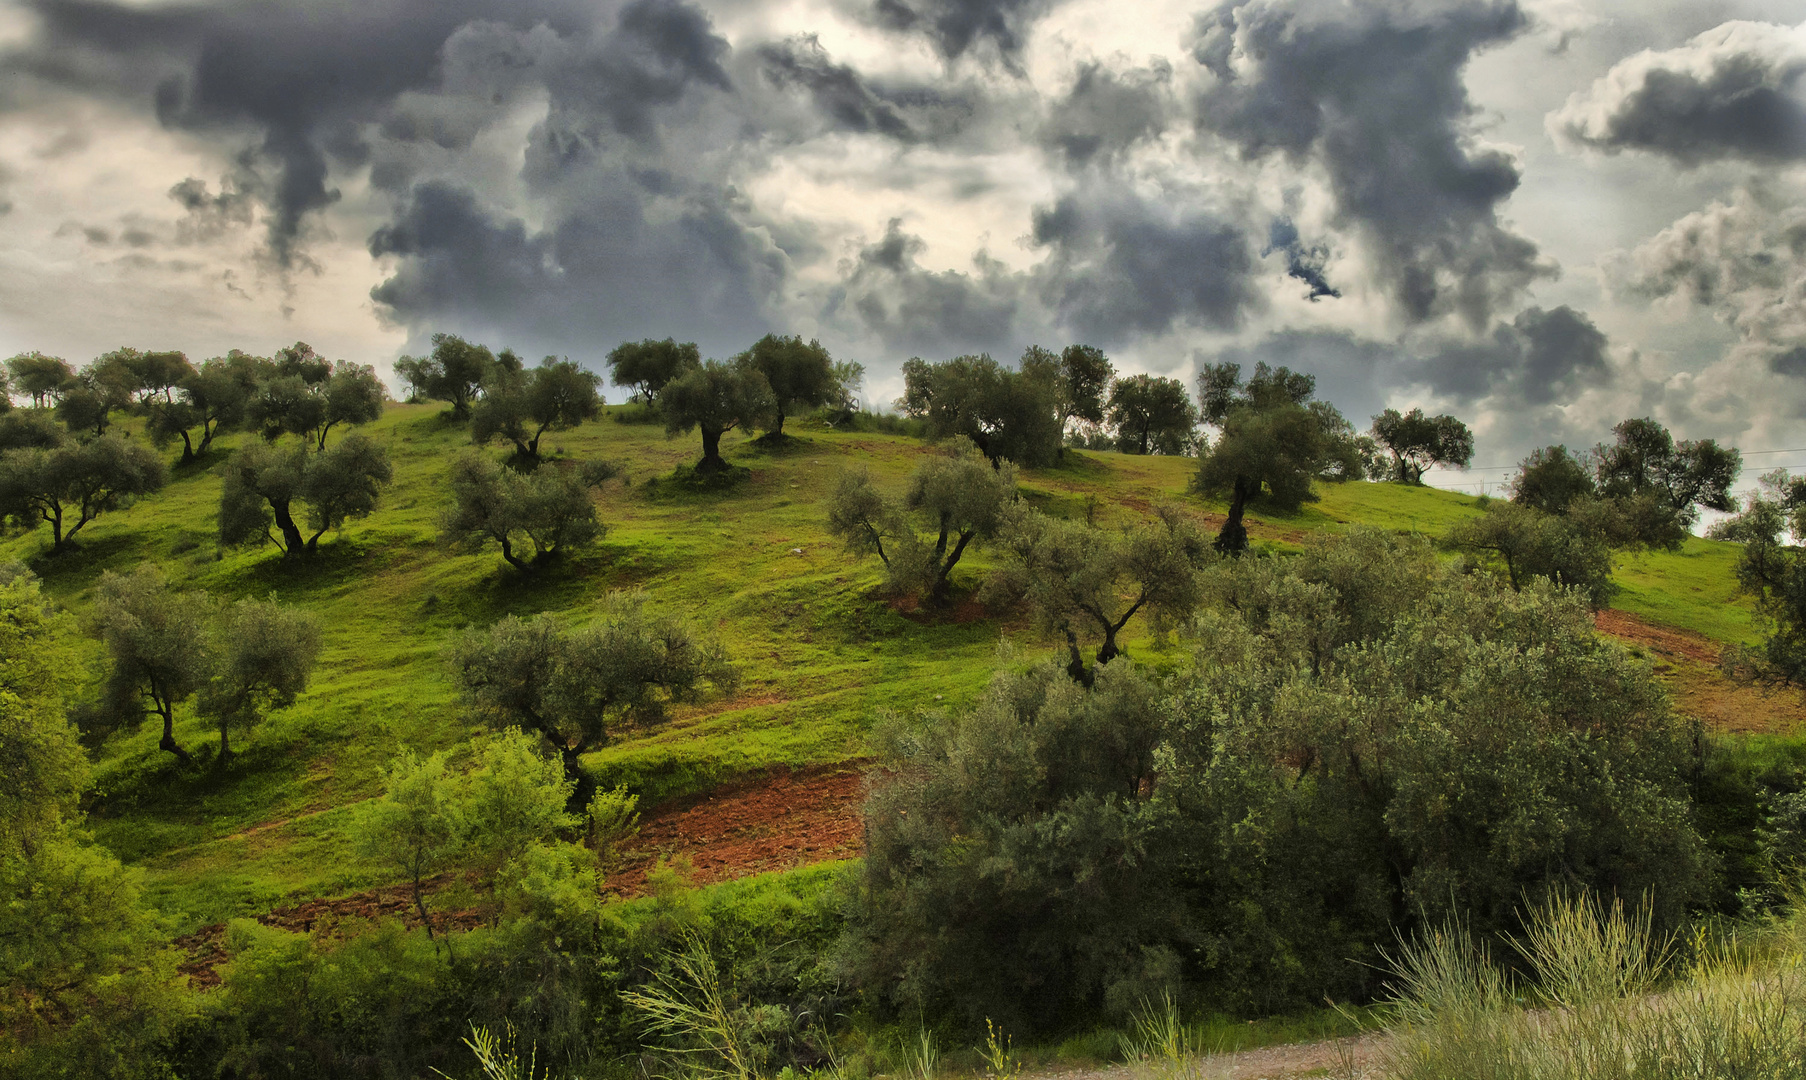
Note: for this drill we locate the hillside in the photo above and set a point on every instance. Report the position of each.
(821, 652)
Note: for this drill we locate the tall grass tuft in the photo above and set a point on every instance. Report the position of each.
(687, 1009)
(500, 1059)
(1611, 1003)
(1159, 1046)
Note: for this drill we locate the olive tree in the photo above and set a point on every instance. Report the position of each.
(262, 484)
(1085, 375)
(1081, 579)
(551, 508)
(213, 398)
(522, 406)
(579, 687)
(1273, 443)
(800, 374)
(1007, 873)
(1772, 572)
(1661, 484)
(30, 428)
(1551, 480)
(86, 402)
(953, 499)
(1527, 543)
(648, 366)
(39, 376)
(715, 398)
(1152, 415)
(457, 371)
(311, 403)
(1012, 415)
(1417, 442)
(71, 484)
(161, 645)
(264, 658)
(166, 647)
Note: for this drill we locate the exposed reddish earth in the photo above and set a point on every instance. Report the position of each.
(774, 821)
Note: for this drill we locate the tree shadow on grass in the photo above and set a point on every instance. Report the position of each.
(570, 581)
(777, 444)
(685, 483)
(81, 561)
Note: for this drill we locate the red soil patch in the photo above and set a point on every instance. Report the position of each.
(1664, 641)
(777, 822)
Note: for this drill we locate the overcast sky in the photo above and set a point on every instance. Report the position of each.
(1542, 216)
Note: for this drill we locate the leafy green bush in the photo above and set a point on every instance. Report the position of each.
(1368, 739)
(1365, 739)
(1005, 861)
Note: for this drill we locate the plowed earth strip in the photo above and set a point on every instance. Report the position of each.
(774, 821)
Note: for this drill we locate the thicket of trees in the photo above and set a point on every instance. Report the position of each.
(88, 983)
(1367, 742)
(1568, 513)
(167, 648)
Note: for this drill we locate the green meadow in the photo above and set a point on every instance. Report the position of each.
(822, 652)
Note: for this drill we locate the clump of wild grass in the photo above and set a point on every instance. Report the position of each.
(1158, 1045)
(687, 1008)
(1609, 1001)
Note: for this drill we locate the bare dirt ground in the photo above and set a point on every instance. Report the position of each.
(1352, 1058)
(777, 821)
(1687, 663)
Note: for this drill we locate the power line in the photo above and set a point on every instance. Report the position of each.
(1508, 468)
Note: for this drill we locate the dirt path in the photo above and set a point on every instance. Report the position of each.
(1351, 1058)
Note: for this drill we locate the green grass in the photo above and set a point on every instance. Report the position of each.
(1694, 588)
(821, 651)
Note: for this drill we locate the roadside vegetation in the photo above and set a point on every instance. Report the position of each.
(1174, 714)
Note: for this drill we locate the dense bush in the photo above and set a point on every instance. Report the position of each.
(1364, 739)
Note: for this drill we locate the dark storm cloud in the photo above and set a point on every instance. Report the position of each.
(1375, 94)
(1792, 363)
(1121, 265)
(1539, 358)
(1303, 262)
(927, 312)
(958, 26)
(1108, 111)
(1738, 91)
(307, 78)
(612, 269)
(839, 92)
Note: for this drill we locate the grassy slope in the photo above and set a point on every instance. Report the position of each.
(821, 653)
